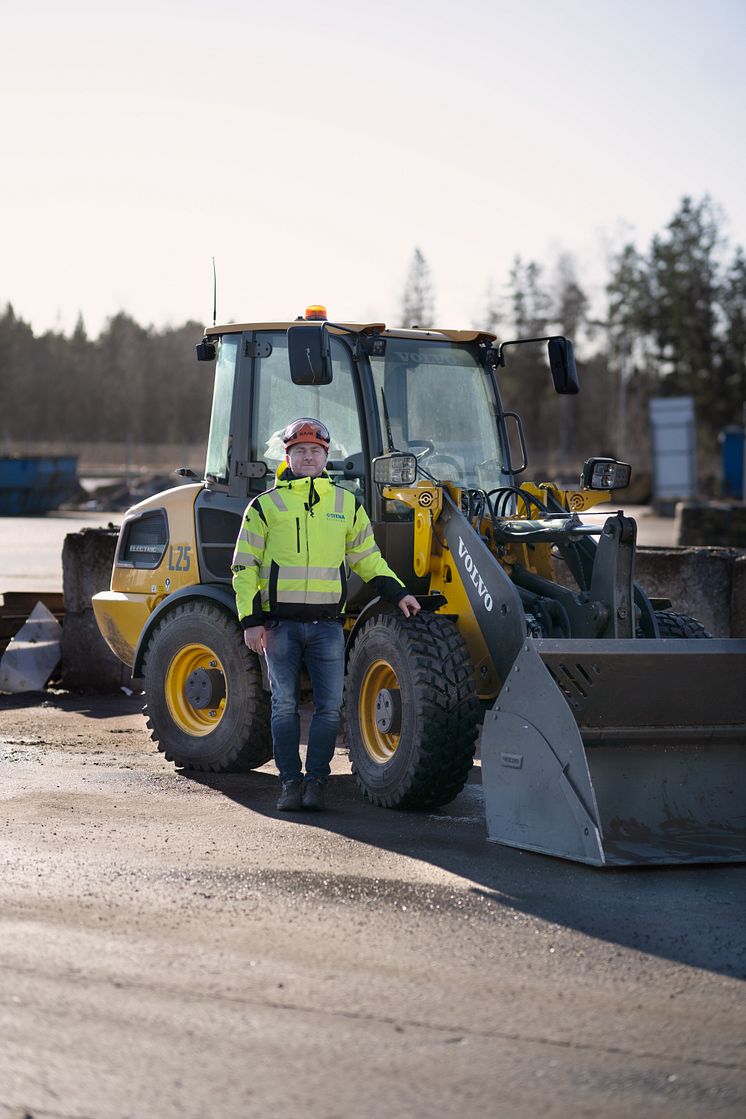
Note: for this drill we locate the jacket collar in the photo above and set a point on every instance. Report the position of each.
(285, 477)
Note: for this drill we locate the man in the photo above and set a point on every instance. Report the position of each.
(290, 578)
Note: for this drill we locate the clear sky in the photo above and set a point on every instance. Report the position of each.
(310, 147)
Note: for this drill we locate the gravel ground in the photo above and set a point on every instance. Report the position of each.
(172, 946)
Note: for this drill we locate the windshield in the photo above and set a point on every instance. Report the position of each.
(440, 408)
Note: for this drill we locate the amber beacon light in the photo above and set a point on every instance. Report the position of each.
(316, 311)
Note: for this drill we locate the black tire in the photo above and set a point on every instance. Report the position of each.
(671, 624)
(419, 668)
(199, 643)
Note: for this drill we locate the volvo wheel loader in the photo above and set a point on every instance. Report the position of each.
(613, 730)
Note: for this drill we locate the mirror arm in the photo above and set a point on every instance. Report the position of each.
(520, 342)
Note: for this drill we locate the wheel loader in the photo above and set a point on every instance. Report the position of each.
(613, 729)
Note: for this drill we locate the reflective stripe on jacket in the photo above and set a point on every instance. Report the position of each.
(296, 544)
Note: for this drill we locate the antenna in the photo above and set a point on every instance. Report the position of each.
(214, 293)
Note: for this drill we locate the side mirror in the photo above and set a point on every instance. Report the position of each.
(562, 364)
(205, 351)
(309, 354)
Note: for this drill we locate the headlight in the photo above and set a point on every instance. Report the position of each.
(395, 470)
(605, 474)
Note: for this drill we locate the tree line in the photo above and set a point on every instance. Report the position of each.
(674, 323)
(132, 382)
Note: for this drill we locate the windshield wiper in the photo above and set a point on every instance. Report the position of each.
(387, 418)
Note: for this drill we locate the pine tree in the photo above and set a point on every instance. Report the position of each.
(732, 344)
(525, 380)
(666, 318)
(570, 301)
(418, 306)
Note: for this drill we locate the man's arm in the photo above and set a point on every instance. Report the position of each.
(247, 562)
(365, 559)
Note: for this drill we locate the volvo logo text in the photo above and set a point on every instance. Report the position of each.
(474, 575)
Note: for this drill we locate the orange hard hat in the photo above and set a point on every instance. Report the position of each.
(306, 430)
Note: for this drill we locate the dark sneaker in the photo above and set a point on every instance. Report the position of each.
(313, 794)
(290, 797)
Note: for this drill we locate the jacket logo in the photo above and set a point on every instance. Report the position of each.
(335, 516)
(474, 575)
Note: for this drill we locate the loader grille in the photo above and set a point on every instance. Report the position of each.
(575, 679)
(144, 541)
(217, 530)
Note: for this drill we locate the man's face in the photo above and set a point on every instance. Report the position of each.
(307, 460)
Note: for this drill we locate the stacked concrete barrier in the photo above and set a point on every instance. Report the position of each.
(88, 663)
(708, 584)
(712, 524)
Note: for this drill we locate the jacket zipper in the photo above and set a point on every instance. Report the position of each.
(297, 532)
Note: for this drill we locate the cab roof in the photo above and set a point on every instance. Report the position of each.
(437, 335)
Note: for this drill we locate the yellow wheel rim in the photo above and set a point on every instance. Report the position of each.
(380, 745)
(192, 720)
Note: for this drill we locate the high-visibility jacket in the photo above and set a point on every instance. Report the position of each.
(296, 544)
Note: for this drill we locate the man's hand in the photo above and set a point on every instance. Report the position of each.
(409, 605)
(253, 637)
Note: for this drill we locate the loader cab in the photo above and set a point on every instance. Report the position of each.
(421, 392)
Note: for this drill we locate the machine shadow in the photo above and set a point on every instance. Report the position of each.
(92, 705)
(691, 915)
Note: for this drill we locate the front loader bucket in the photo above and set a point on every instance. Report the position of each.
(616, 752)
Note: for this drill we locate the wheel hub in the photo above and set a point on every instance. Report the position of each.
(196, 689)
(204, 687)
(388, 711)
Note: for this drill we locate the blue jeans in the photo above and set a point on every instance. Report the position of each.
(321, 645)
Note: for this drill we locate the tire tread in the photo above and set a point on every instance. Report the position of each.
(251, 745)
(672, 624)
(447, 711)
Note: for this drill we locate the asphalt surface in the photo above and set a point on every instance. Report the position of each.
(171, 945)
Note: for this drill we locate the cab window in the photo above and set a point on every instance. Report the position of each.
(277, 401)
(217, 465)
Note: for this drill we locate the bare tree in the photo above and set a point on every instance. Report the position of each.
(490, 315)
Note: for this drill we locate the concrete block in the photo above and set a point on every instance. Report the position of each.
(738, 526)
(698, 581)
(88, 663)
(712, 524)
(738, 598)
(708, 584)
(87, 560)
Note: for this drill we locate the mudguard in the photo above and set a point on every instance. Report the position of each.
(216, 592)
